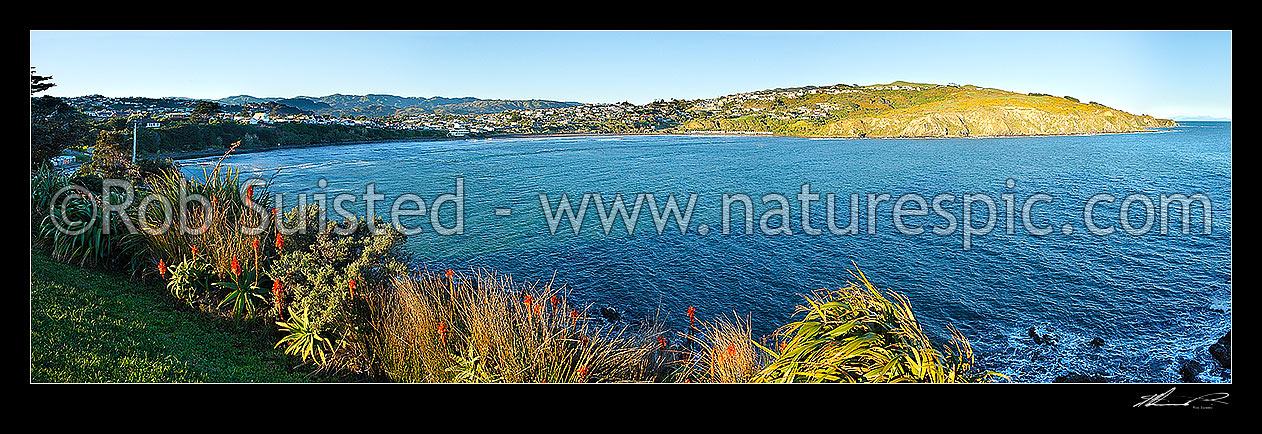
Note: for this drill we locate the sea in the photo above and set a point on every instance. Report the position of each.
(1028, 255)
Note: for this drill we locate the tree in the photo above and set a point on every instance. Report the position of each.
(205, 108)
(38, 82)
(55, 126)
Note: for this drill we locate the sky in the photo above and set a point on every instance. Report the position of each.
(1179, 74)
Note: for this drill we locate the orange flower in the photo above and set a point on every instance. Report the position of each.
(277, 293)
(280, 242)
(351, 284)
(529, 299)
(442, 331)
(573, 315)
(450, 273)
(554, 300)
(255, 244)
(249, 194)
(731, 350)
(236, 266)
(538, 309)
(661, 341)
(582, 372)
(194, 251)
(692, 313)
(162, 267)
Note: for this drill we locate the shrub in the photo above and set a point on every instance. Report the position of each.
(328, 276)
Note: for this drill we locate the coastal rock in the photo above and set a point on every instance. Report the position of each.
(1221, 350)
(610, 314)
(1188, 371)
(1047, 339)
(1096, 342)
(1074, 377)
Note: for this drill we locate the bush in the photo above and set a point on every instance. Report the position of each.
(328, 276)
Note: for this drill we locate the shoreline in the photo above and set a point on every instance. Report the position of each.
(189, 155)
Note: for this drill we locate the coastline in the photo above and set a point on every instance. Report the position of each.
(208, 153)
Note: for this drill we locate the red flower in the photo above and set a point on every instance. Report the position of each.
(351, 284)
(573, 315)
(661, 341)
(194, 251)
(236, 266)
(731, 350)
(554, 300)
(692, 313)
(162, 267)
(280, 241)
(538, 309)
(442, 331)
(582, 372)
(529, 299)
(249, 194)
(255, 245)
(450, 273)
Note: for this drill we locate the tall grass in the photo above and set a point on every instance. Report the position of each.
(725, 352)
(483, 327)
(215, 227)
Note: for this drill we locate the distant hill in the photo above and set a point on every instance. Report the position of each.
(904, 109)
(376, 105)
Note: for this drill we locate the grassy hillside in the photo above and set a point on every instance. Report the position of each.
(93, 326)
(903, 109)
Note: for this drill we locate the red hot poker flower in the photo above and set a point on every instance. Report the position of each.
(162, 267)
(194, 251)
(554, 300)
(731, 350)
(442, 331)
(582, 372)
(529, 299)
(236, 266)
(351, 284)
(280, 241)
(249, 194)
(255, 244)
(450, 273)
(538, 309)
(661, 341)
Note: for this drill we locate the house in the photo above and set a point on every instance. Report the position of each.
(147, 122)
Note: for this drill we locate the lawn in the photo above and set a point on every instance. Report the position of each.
(93, 326)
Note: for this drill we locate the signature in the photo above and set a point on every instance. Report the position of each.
(1165, 399)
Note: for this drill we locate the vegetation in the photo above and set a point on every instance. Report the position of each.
(188, 136)
(483, 327)
(902, 109)
(97, 326)
(338, 296)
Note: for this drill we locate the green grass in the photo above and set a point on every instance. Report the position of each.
(93, 326)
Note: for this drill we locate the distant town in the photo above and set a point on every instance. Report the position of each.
(658, 116)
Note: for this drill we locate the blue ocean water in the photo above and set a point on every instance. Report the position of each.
(1154, 299)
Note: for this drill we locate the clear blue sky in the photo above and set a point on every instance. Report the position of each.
(1168, 74)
